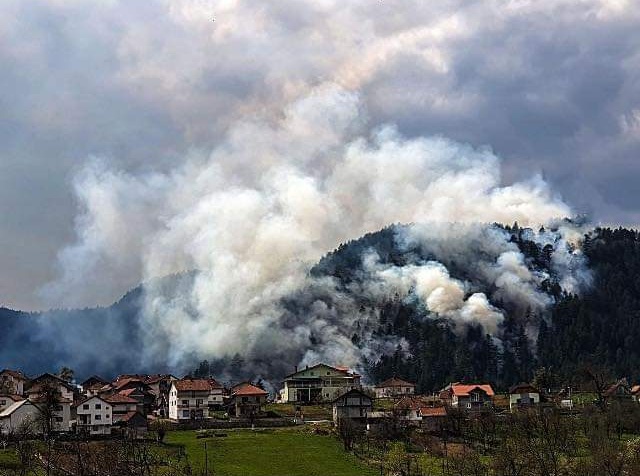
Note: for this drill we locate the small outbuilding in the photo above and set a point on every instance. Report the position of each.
(354, 404)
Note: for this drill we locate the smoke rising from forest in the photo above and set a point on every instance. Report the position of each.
(257, 212)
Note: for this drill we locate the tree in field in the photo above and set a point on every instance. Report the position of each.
(347, 432)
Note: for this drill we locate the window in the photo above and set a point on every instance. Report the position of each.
(98, 406)
(85, 406)
(185, 413)
(59, 419)
(198, 402)
(98, 417)
(3, 402)
(185, 402)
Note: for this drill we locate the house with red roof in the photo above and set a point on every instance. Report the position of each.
(318, 383)
(394, 387)
(192, 399)
(468, 397)
(246, 400)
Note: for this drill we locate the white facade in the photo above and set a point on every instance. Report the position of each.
(21, 415)
(517, 400)
(94, 417)
(191, 402)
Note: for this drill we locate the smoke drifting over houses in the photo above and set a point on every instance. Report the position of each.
(247, 221)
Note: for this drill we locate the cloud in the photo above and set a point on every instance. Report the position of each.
(551, 86)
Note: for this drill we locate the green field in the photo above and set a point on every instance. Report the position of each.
(311, 412)
(285, 452)
(8, 459)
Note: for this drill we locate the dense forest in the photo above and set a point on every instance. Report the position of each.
(599, 328)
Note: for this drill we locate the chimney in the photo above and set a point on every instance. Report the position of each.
(296, 369)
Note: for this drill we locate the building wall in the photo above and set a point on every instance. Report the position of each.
(382, 392)
(179, 402)
(525, 399)
(98, 420)
(27, 413)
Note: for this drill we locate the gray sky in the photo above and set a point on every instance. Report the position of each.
(552, 87)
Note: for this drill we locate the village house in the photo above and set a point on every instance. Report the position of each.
(318, 383)
(468, 397)
(12, 382)
(433, 418)
(22, 415)
(94, 416)
(7, 400)
(408, 408)
(619, 391)
(522, 396)
(246, 400)
(354, 405)
(394, 387)
(131, 423)
(159, 386)
(191, 399)
(93, 385)
(65, 390)
(121, 404)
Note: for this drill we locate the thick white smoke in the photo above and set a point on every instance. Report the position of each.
(254, 214)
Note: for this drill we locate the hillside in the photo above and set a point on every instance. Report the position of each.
(599, 325)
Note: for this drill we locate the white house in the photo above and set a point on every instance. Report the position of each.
(191, 399)
(20, 416)
(94, 416)
(523, 396)
(394, 387)
(318, 383)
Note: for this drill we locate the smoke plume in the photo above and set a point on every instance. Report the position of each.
(252, 216)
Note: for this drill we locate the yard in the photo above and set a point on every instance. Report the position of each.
(286, 452)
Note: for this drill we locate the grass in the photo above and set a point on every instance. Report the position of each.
(311, 412)
(8, 459)
(285, 452)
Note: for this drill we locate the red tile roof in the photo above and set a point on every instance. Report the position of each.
(395, 382)
(433, 412)
(128, 391)
(193, 385)
(412, 403)
(461, 390)
(14, 373)
(246, 389)
(119, 398)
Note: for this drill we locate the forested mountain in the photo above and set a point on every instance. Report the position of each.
(600, 326)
